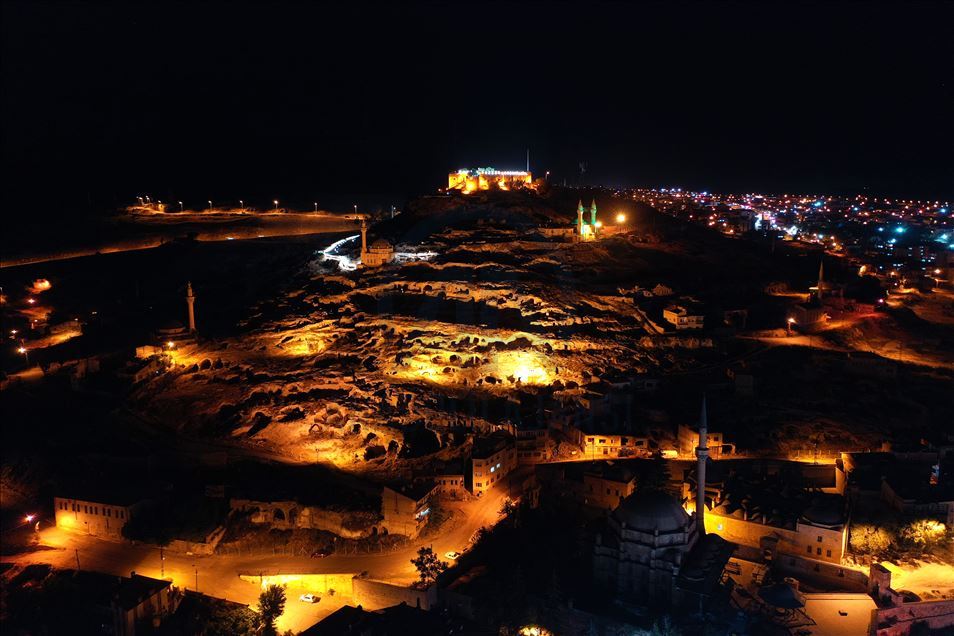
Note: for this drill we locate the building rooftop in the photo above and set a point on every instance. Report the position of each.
(416, 490)
(486, 446)
(400, 619)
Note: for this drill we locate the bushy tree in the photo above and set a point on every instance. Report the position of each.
(923, 533)
(871, 539)
(508, 507)
(428, 566)
(271, 605)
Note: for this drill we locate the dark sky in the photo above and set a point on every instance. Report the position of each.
(303, 100)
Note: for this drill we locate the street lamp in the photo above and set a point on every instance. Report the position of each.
(180, 206)
(789, 323)
(26, 354)
(210, 206)
(316, 206)
(276, 204)
(620, 218)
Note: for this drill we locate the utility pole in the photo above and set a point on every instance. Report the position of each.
(76, 552)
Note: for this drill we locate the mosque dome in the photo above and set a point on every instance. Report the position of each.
(381, 245)
(824, 512)
(652, 511)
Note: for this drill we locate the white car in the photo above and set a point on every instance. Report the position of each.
(453, 556)
(309, 598)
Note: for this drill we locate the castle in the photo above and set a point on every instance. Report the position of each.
(470, 180)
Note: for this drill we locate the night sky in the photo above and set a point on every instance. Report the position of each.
(304, 101)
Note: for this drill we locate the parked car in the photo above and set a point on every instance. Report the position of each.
(453, 556)
(309, 598)
(320, 554)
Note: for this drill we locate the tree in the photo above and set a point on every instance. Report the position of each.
(508, 507)
(870, 539)
(923, 533)
(271, 605)
(428, 566)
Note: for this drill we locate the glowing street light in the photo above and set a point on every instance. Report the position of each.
(210, 206)
(171, 344)
(31, 300)
(180, 206)
(242, 205)
(620, 218)
(29, 518)
(276, 204)
(316, 206)
(26, 354)
(789, 323)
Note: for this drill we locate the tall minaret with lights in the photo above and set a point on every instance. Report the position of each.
(702, 453)
(579, 218)
(190, 300)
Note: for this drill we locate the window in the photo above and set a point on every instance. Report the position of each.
(809, 549)
(819, 538)
(480, 485)
(828, 553)
(819, 552)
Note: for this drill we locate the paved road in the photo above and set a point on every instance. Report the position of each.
(219, 575)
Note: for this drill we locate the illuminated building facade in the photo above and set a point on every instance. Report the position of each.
(587, 230)
(380, 253)
(406, 509)
(471, 180)
(492, 459)
(773, 517)
(96, 518)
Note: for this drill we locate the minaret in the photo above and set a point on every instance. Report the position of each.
(579, 218)
(702, 453)
(593, 213)
(190, 299)
(364, 237)
(821, 278)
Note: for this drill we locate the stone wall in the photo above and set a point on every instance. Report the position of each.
(289, 515)
(898, 621)
(372, 595)
(206, 547)
(298, 584)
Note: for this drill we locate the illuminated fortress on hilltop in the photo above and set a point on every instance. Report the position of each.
(470, 180)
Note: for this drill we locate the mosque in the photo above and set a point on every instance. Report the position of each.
(587, 231)
(380, 253)
(655, 553)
